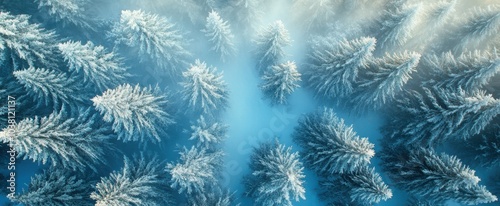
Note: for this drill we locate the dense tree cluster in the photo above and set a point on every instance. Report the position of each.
(82, 74)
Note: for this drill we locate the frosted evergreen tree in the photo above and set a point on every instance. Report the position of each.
(104, 69)
(137, 113)
(330, 146)
(364, 187)
(141, 181)
(67, 11)
(396, 27)
(26, 43)
(56, 187)
(442, 115)
(481, 25)
(384, 79)
(269, 44)
(277, 175)
(49, 87)
(154, 38)
(470, 71)
(219, 35)
(63, 141)
(196, 170)
(332, 69)
(279, 81)
(435, 177)
(208, 133)
(203, 89)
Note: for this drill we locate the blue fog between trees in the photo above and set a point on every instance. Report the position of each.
(251, 102)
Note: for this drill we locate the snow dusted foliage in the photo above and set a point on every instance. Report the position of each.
(245, 14)
(219, 35)
(435, 177)
(482, 25)
(330, 146)
(154, 38)
(49, 87)
(440, 12)
(137, 113)
(208, 133)
(56, 187)
(470, 71)
(141, 181)
(277, 175)
(26, 43)
(279, 81)
(269, 44)
(203, 89)
(67, 11)
(314, 13)
(61, 140)
(196, 171)
(332, 68)
(104, 69)
(440, 115)
(364, 187)
(396, 27)
(384, 79)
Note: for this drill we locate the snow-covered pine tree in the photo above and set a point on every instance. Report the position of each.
(203, 89)
(219, 35)
(63, 141)
(279, 81)
(435, 177)
(313, 14)
(154, 39)
(196, 170)
(332, 68)
(330, 146)
(104, 69)
(439, 115)
(481, 25)
(141, 181)
(470, 71)
(269, 45)
(26, 44)
(67, 11)
(137, 113)
(396, 27)
(277, 175)
(208, 133)
(364, 187)
(50, 87)
(384, 79)
(57, 187)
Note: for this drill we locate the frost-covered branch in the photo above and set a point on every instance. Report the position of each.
(204, 90)
(219, 35)
(330, 146)
(277, 175)
(102, 68)
(137, 113)
(279, 81)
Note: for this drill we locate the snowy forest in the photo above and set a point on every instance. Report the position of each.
(249, 102)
